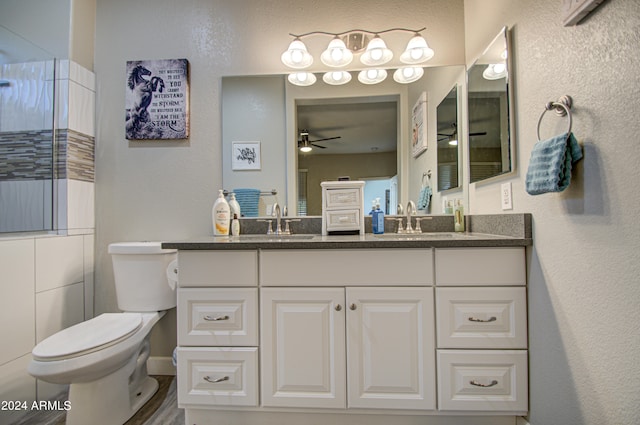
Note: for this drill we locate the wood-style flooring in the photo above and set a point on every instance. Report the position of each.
(161, 409)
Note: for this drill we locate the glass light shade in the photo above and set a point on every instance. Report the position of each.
(408, 74)
(336, 54)
(495, 71)
(417, 51)
(306, 148)
(297, 56)
(372, 76)
(336, 78)
(376, 53)
(302, 78)
(453, 142)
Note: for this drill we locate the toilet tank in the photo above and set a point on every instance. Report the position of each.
(140, 273)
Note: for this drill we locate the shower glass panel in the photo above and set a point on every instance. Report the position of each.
(27, 135)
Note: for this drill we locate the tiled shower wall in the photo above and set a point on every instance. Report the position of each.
(47, 282)
(26, 189)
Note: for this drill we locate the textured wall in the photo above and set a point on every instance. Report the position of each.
(583, 279)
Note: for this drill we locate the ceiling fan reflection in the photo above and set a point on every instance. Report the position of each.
(306, 145)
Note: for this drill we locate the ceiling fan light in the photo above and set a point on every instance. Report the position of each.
(453, 142)
(302, 78)
(376, 53)
(336, 78)
(336, 54)
(306, 148)
(417, 51)
(408, 74)
(372, 76)
(297, 56)
(495, 71)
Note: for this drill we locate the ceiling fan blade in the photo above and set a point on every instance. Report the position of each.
(480, 133)
(318, 146)
(325, 139)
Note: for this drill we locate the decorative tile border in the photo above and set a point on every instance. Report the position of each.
(27, 155)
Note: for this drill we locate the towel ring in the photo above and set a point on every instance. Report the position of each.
(562, 108)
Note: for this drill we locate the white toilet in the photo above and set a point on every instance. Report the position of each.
(104, 359)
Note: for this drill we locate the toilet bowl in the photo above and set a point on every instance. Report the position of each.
(104, 359)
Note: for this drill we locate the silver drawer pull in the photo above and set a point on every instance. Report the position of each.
(478, 384)
(215, 381)
(490, 319)
(216, 319)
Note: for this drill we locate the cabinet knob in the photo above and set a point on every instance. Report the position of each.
(353, 306)
(338, 307)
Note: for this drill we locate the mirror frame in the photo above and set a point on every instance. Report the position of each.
(504, 34)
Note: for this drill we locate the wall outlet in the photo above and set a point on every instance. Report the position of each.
(573, 11)
(507, 201)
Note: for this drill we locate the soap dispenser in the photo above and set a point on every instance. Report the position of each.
(221, 216)
(377, 219)
(234, 206)
(458, 216)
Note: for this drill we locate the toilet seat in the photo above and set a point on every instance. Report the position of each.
(86, 337)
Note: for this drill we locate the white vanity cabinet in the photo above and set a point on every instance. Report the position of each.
(218, 328)
(387, 361)
(409, 332)
(481, 315)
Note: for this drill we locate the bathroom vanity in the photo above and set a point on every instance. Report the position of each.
(424, 329)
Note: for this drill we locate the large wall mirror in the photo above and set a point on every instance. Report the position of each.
(366, 130)
(490, 115)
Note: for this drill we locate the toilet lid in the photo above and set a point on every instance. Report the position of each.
(106, 329)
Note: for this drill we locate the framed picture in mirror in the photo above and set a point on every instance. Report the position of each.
(419, 125)
(245, 156)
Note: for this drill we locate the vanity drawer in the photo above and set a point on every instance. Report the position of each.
(503, 266)
(481, 317)
(217, 268)
(218, 376)
(342, 220)
(343, 198)
(483, 380)
(346, 267)
(218, 316)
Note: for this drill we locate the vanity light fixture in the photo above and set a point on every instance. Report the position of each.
(336, 78)
(408, 74)
(302, 78)
(495, 71)
(373, 52)
(372, 76)
(337, 54)
(377, 53)
(417, 51)
(297, 56)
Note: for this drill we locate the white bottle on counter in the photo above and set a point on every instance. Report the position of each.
(221, 216)
(234, 205)
(235, 226)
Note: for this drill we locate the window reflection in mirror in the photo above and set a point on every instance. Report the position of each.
(489, 103)
(447, 137)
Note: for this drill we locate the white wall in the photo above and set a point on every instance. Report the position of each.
(583, 275)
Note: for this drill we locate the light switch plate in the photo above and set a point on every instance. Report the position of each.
(505, 191)
(573, 11)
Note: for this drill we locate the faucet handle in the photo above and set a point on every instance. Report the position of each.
(418, 229)
(269, 227)
(399, 226)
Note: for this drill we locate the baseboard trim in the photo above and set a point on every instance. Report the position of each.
(521, 421)
(157, 365)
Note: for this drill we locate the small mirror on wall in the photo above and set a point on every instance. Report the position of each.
(491, 140)
(447, 118)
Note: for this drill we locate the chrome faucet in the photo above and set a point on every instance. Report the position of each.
(278, 214)
(411, 210)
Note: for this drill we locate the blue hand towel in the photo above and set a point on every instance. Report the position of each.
(424, 198)
(248, 200)
(550, 164)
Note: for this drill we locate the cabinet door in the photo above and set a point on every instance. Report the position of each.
(390, 348)
(302, 343)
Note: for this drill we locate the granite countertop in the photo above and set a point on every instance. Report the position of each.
(484, 231)
(389, 240)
